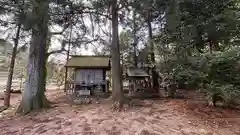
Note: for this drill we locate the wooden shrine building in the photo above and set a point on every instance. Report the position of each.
(88, 74)
(138, 78)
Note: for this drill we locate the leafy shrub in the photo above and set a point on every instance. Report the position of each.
(187, 77)
(217, 73)
(224, 76)
(190, 74)
(229, 93)
(225, 68)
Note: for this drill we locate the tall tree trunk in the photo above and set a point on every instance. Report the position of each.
(48, 43)
(210, 47)
(122, 62)
(33, 95)
(135, 39)
(11, 68)
(68, 53)
(45, 72)
(117, 92)
(152, 55)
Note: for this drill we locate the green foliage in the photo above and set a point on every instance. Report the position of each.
(188, 77)
(228, 92)
(195, 71)
(202, 23)
(218, 74)
(196, 46)
(225, 68)
(224, 76)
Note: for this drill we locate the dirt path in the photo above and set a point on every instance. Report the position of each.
(155, 117)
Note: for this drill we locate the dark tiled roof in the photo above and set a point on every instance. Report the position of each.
(136, 72)
(89, 62)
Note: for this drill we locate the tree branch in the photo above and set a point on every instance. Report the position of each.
(85, 10)
(23, 47)
(58, 51)
(61, 32)
(123, 4)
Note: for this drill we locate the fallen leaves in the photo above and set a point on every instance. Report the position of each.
(155, 117)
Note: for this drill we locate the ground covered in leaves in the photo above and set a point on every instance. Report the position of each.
(154, 117)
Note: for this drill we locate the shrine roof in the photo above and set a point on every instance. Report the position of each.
(81, 61)
(136, 72)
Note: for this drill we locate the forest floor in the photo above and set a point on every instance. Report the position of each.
(154, 117)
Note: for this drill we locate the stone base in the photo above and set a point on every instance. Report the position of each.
(143, 95)
(82, 101)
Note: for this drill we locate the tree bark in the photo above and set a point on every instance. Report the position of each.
(68, 53)
(122, 60)
(11, 68)
(117, 92)
(152, 55)
(45, 72)
(33, 95)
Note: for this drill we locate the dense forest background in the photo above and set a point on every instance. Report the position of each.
(191, 43)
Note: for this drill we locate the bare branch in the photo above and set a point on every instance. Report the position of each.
(97, 13)
(84, 10)
(2, 22)
(23, 47)
(61, 32)
(58, 51)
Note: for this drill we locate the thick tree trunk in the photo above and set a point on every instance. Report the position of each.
(33, 95)
(11, 68)
(117, 92)
(152, 55)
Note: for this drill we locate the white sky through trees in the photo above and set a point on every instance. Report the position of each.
(56, 40)
(9, 32)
